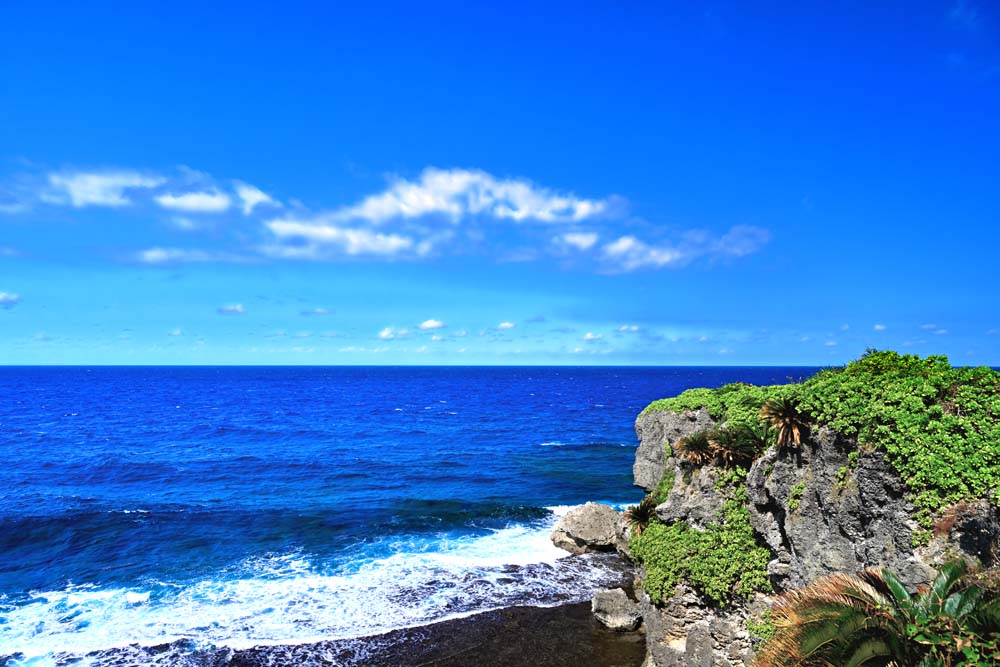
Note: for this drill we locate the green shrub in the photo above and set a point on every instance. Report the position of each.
(721, 562)
(795, 496)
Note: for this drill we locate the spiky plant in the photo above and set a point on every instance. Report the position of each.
(637, 517)
(872, 620)
(695, 448)
(733, 445)
(783, 415)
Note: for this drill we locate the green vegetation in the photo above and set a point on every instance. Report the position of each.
(939, 426)
(871, 619)
(795, 496)
(663, 488)
(761, 627)
(721, 562)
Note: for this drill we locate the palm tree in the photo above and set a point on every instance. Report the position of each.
(637, 517)
(784, 416)
(695, 448)
(871, 620)
(734, 445)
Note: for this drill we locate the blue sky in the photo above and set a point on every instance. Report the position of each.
(581, 183)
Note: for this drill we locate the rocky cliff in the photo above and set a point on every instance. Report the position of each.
(827, 506)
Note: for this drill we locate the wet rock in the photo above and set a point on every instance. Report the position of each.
(586, 528)
(615, 610)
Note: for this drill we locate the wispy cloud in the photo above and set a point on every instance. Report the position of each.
(9, 300)
(252, 197)
(579, 240)
(179, 256)
(628, 253)
(105, 188)
(306, 240)
(628, 328)
(210, 201)
(589, 336)
(232, 309)
(880, 327)
(313, 312)
(390, 333)
(455, 193)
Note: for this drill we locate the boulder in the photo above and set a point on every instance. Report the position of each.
(615, 610)
(590, 527)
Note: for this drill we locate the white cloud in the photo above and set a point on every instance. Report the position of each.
(437, 338)
(505, 326)
(390, 333)
(941, 332)
(830, 343)
(630, 253)
(174, 256)
(740, 241)
(880, 327)
(431, 324)
(628, 328)
(107, 188)
(592, 336)
(461, 333)
(319, 237)
(175, 332)
(9, 300)
(252, 197)
(455, 193)
(211, 201)
(580, 240)
(316, 312)
(232, 309)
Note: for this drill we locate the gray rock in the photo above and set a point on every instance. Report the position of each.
(693, 498)
(590, 527)
(615, 610)
(656, 430)
(685, 632)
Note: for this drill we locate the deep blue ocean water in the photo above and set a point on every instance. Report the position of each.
(244, 506)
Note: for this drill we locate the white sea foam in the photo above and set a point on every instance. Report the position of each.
(290, 599)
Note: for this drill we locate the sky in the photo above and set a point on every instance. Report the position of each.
(698, 183)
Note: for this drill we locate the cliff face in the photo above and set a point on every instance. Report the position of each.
(820, 509)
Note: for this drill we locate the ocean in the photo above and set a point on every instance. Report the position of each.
(202, 508)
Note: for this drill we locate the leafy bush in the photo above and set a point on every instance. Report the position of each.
(721, 562)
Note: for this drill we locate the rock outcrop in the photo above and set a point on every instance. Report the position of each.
(818, 508)
(655, 430)
(616, 610)
(590, 527)
(684, 632)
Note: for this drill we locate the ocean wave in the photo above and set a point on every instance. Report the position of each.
(292, 598)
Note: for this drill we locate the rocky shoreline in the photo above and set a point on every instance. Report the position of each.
(567, 635)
